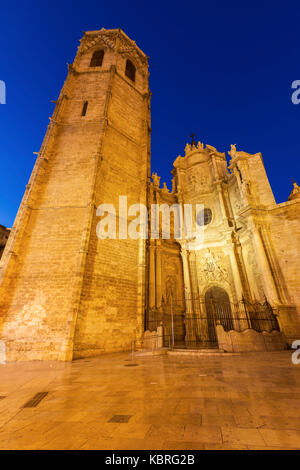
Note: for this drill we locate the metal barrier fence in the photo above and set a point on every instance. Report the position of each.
(198, 328)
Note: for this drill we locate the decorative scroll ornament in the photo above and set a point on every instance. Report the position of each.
(199, 179)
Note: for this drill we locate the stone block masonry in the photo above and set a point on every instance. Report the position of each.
(64, 292)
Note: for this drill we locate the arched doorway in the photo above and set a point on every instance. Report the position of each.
(174, 316)
(218, 309)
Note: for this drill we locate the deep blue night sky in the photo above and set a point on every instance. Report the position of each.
(220, 69)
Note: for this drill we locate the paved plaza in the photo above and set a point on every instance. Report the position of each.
(171, 402)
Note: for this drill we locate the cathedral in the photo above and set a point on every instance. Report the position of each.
(67, 294)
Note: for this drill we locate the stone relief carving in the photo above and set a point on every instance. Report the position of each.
(170, 266)
(238, 196)
(192, 180)
(212, 267)
(171, 289)
(199, 180)
(236, 199)
(172, 281)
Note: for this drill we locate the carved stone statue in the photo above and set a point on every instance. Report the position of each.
(295, 192)
(165, 188)
(156, 179)
(232, 151)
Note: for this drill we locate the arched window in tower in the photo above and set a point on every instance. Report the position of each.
(84, 108)
(130, 70)
(97, 58)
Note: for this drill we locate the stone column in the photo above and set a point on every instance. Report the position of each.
(187, 280)
(236, 274)
(190, 333)
(237, 283)
(201, 326)
(222, 204)
(262, 259)
(158, 274)
(243, 272)
(151, 274)
(192, 261)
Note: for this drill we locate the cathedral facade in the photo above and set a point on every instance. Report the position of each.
(67, 294)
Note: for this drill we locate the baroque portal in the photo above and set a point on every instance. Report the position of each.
(237, 275)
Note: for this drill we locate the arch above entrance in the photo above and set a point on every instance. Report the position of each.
(218, 308)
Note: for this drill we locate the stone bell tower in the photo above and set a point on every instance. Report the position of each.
(64, 292)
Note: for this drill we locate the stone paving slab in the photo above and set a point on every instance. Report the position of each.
(173, 402)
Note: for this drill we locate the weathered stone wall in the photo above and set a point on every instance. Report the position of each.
(285, 234)
(270, 239)
(59, 281)
(250, 340)
(111, 313)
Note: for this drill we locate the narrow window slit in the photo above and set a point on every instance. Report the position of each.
(84, 108)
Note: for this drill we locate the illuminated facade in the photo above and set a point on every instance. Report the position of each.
(66, 294)
(249, 251)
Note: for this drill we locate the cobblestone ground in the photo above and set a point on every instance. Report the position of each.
(248, 401)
